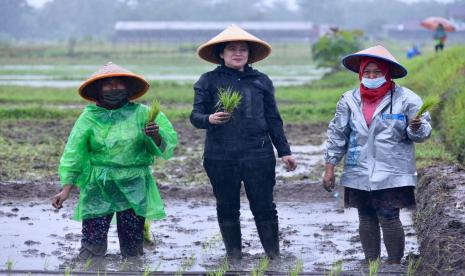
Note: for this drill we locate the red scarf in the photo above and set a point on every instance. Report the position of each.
(372, 97)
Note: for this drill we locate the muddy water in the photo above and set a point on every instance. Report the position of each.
(313, 228)
(35, 237)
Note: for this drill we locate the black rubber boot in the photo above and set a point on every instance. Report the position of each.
(370, 236)
(137, 250)
(231, 233)
(394, 239)
(269, 237)
(88, 251)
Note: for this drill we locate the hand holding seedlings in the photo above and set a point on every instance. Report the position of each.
(415, 124)
(219, 118)
(329, 179)
(151, 130)
(289, 162)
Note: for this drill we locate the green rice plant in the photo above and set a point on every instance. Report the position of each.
(46, 263)
(9, 265)
(87, 264)
(124, 265)
(298, 268)
(213, 242)
(262, 266)
(186, 264)
(413, 264)
(336, 269)
(147, 236)
(373, 267)
(228, 100)
(154, 110)
(147, 271)
(220, 271)
(428, 105)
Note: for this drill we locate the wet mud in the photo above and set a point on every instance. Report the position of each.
(315, 230)
(440, 220)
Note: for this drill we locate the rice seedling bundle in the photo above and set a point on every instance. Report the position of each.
(228, 100)
(154, 110)
(428, 105)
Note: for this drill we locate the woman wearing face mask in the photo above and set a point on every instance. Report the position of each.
(375, 127)
(239, 146)
(108, 156)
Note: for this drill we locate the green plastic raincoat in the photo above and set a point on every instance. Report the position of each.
(108, 156)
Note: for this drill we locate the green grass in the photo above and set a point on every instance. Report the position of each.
(442, 75)
(146, 53)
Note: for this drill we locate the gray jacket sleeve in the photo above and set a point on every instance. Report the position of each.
(338, 133)
(424, 132)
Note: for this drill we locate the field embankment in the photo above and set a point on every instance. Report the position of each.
(440, 214)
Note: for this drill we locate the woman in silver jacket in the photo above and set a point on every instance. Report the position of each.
(375, 127)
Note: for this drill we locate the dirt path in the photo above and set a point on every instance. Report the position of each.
(314, 230)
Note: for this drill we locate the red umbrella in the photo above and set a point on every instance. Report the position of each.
(433, 22)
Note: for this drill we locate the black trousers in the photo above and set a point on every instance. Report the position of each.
(258, 176)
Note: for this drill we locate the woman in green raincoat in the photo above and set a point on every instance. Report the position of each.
(108, 156)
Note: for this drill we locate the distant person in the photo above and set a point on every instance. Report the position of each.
(375, 128)
(239, 145)
(108, 156)
(440, 37)
(413, 52)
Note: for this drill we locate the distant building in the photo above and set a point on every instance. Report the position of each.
(196, 31)
(413, 31)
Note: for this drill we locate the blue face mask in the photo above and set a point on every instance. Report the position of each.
(373, 83)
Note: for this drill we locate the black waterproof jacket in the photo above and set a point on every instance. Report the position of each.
(255, 124)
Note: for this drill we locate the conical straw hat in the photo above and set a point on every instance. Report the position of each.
(137, 85)
(352, 62)
(259, 49)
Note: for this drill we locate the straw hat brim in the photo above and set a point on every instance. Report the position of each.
(137, 86)
(258, 50)
(352, 62)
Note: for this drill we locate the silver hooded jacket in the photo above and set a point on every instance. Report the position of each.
(380, 156)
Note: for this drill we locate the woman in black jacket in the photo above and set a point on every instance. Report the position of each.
(239, 145)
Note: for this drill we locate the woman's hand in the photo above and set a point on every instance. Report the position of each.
(289, 162)
(219, 118)
(329, 179)
(151, 130)
(59, 198)
(415, 124)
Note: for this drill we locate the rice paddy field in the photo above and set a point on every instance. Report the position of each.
(39, 104)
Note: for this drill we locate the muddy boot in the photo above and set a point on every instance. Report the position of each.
(134, 251)
(231, 233)
(394, 239)
(269, 237)
(370, 236)
(88, 251)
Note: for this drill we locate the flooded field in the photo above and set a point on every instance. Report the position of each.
(64, 76)
(315, 231)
